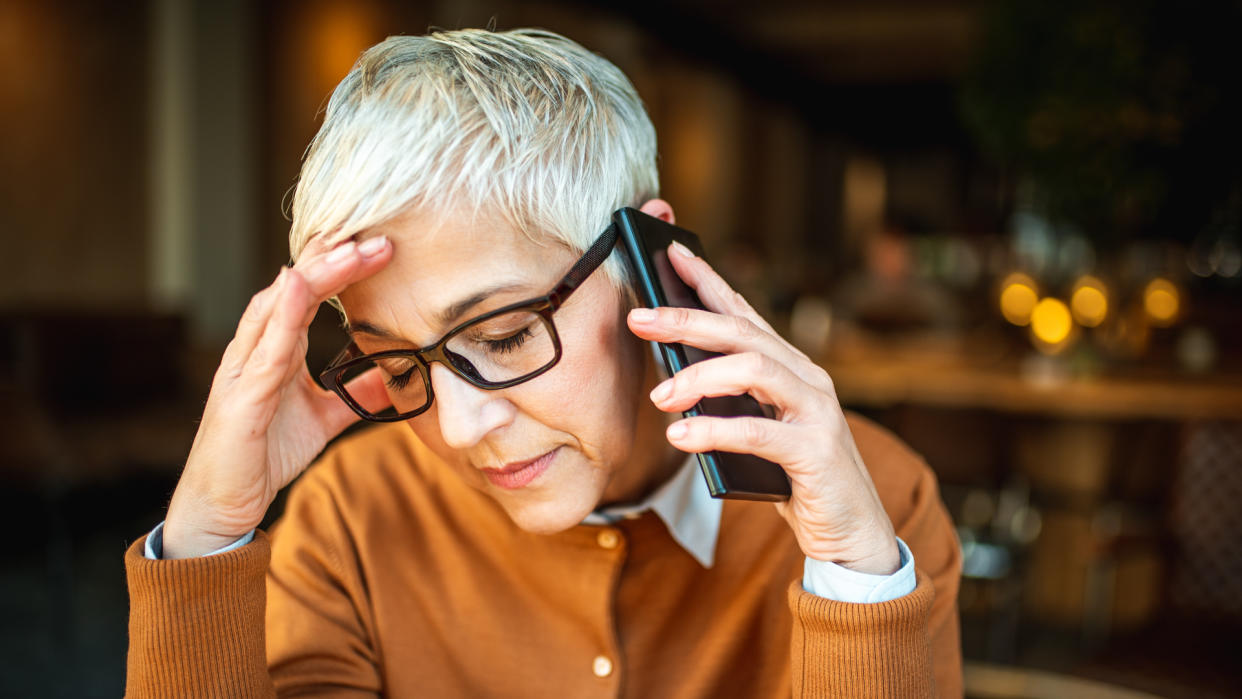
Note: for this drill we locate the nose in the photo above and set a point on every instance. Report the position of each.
(466, 413)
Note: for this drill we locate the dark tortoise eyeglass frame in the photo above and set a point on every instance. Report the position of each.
(333, 377)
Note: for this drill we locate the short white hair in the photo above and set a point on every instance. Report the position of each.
(525, 124)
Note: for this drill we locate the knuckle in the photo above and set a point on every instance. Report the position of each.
(679, 317)
(225, 373)
(752, 433)
(252, 309)
(260, 360)
(759, 364)
(825, 379)
(257, 305)
(823, 403)
(745, 329)
(686, 377)
(263, 362)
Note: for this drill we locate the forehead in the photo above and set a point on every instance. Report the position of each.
(439, 260)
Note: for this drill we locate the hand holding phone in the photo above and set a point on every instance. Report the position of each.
(729, 475)
(833, 507)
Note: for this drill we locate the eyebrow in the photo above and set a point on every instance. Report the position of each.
(445, 316)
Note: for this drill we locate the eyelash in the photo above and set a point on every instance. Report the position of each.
(399, 382)
(508, 344)
(503, 345)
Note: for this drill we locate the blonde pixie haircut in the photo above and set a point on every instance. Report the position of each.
(524, 124)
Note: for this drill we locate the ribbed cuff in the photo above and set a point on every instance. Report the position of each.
(861, 650)
(196, 625)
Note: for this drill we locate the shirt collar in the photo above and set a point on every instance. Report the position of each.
(691, 514)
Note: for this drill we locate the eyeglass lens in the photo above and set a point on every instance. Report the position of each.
(494, 350)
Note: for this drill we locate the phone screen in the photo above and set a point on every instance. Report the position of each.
(729, 475)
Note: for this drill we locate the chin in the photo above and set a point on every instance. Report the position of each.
(548, 516)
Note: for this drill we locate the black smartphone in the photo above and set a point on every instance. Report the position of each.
(646, 240)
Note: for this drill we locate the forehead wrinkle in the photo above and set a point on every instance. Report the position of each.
(387, 323)
(460, 308)
(454, 257)
(443, 318)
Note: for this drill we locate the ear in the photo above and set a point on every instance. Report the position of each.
(659, 209)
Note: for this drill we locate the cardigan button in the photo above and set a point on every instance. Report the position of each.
(608, 539)
(602, 667)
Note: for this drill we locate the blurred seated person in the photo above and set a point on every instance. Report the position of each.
(526, 520)
(887, 297)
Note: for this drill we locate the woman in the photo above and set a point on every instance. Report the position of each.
(535, 526)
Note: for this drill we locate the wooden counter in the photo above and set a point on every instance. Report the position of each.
(879, 377)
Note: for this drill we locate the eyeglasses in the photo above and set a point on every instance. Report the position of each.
(496, 350)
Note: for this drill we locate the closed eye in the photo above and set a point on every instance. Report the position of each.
(508, 344)
(400, 381)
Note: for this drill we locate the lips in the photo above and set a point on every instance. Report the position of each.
(519, 474)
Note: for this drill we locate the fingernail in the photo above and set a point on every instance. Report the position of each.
(677, 430)
(682, 250)
(372, 246)
(642, 315)
(660, 393)
(342, 252)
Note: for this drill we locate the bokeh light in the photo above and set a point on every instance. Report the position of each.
(1089, 302)
(1162, 302)
(1051, 324)
(1018, 298)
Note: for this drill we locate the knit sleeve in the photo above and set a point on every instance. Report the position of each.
(196, 624)
(286, 615)
(906, 647)
(842, 649)
(920, 518)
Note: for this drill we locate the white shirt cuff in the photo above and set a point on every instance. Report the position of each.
(154, 548)
(835, 582)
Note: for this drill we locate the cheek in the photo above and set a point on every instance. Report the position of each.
(601, 384)
(589, 400)
(591, 395)
(583, 392)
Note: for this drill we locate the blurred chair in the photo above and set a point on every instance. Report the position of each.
(94, 427)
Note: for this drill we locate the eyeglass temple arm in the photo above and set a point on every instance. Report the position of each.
(350, 351)
(591, 259)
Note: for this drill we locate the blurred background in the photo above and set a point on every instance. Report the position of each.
(1010, 230)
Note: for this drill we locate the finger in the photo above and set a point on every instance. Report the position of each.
(713, 290)
(716, 293)
(764, 378)
(714, 332)
(328, 273)
(268, 366)
(768, 439)
(319, 245)
(249, 329)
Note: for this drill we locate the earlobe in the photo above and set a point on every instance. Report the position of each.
(659, 209)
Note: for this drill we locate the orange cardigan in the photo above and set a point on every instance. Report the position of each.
(388, 575)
